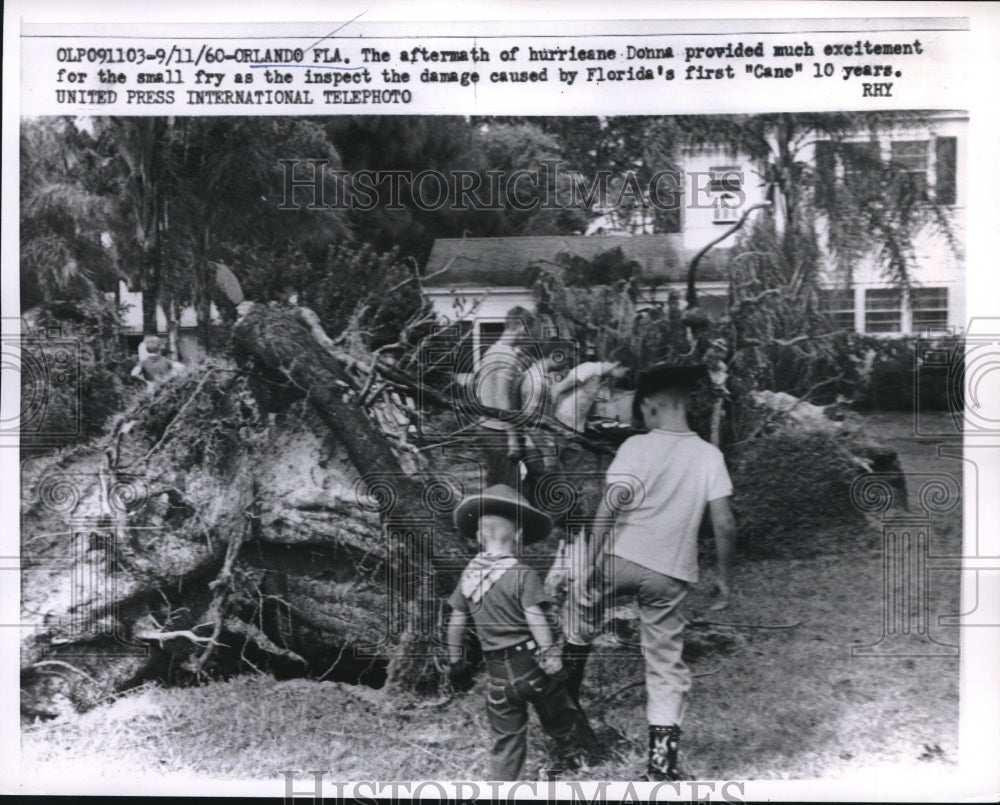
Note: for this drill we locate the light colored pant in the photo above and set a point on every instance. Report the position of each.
(661, 628)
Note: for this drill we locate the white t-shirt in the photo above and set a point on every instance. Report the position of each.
(673, 476)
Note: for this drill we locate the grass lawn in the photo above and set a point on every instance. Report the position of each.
(767, 703)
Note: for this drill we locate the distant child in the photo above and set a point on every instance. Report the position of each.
(501, 598)
(536, 401)
(499, 372)
(496, 386)
(155, 368)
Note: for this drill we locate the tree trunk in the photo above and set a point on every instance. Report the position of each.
(150, 287)
(173, 328)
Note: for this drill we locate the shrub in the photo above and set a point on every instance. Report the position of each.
(901, 378)
(73, 366)
(790, 484)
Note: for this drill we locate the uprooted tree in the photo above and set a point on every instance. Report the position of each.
(273, 513)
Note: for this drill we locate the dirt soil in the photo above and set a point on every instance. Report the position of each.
(777, 694)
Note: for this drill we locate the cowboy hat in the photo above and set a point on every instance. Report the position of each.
(504, 501)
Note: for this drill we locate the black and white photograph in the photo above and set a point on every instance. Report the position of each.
(364, 447)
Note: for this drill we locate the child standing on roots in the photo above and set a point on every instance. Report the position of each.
(501, 598)
(155, 367)
(495, 386)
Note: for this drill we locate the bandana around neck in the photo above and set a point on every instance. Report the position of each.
(482, 573)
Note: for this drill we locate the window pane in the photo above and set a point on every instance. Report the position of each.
(726, 183)
(930, 308)
(924, 298)
(882, 322)
(930, 319)
(489, 332)
(883, 310)
(463, 338)
(883, 299)
(824, 171)
(838, 305)
(911, 156)
(726, 179)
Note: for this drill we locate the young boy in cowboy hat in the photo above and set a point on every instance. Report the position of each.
(652, 552)
(502, 599)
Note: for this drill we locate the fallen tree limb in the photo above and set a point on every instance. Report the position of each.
(692, 276)
(185, 634)
(61, 664)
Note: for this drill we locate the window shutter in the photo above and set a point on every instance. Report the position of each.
(946, 149)
(824, 172)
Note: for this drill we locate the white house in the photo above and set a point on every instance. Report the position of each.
(476, 280)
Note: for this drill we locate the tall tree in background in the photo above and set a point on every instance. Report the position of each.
(63, 215)
(228, 192)
(410, 145)
(138, 147)
(460, 150)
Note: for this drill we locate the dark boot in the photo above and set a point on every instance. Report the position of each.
(663, 743)
(574, 663)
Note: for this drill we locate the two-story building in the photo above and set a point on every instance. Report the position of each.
(476, 280)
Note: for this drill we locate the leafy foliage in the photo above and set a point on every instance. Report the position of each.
(62, 217)
(591, 301)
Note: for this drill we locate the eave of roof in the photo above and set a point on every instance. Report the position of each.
(507, 261)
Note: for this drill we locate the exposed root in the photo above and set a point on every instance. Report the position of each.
(255, 635)
(186, 634)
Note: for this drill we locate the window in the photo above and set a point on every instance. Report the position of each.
(489, 332)
(860, 163)
(930, 165)
(929, 308)
(883, 310)
(911, 156)
(726, 184)
(838, 305)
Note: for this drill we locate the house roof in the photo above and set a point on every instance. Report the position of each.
(505, 262)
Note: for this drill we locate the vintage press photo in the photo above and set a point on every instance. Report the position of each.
(556, 407)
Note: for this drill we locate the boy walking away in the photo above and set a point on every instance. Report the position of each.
(654, 550)
(501, 598)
